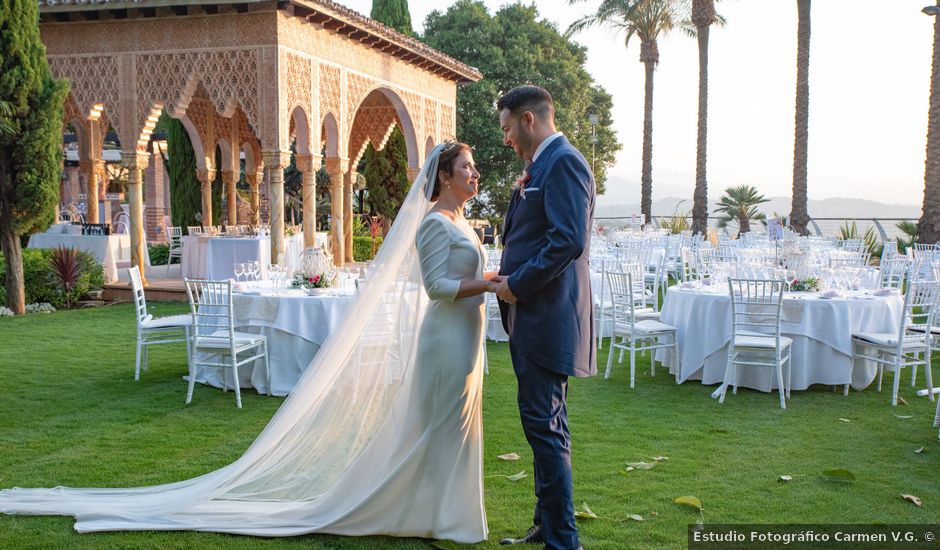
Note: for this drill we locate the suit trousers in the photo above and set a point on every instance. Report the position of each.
(542, 395)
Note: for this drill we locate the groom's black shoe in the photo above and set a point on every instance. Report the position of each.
(534, 536)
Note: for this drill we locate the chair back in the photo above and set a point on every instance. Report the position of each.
(920, 302)
(921, 248)
(137, 289)
(853, 245)
(210, 303)
(893, 271)
(626, 287)
(889, 250)
(194, 229)
(756, 306)
(176, 233)
(232, 230)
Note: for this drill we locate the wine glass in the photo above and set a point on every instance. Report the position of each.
(790, 278)
(239, 271)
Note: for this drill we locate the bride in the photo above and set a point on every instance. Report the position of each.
(382, 434)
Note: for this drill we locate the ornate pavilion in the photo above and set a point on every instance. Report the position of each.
(249, 77)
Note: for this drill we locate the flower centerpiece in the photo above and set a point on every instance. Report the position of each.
(316, 271)
(809, 284)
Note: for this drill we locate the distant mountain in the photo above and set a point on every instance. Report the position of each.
(622, 200)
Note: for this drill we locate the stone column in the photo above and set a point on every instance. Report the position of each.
(135, 164)
(91, 169)
(275, 161)
(205, 182)
(255, 178)
(229, 179)
(336, 168)
(308, 166)
(348, 213)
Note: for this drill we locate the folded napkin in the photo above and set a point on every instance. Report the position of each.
(830, 294)
(688, 285)
(885, 291)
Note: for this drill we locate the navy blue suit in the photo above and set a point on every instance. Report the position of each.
(551, 327)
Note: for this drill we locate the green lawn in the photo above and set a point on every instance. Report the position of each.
(71, 414)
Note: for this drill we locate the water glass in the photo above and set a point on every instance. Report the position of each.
(239, 271)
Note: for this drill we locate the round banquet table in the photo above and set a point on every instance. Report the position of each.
(295, 324)
(821, 330)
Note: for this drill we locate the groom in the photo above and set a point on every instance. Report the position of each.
(545, 298)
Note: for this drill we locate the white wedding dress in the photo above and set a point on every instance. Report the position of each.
(382, 434)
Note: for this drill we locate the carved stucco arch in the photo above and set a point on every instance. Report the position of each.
(330, 135)
(405, 118)
(300, 129)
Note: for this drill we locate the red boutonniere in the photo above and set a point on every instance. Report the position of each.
(522, 181)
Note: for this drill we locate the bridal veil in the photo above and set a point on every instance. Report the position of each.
(293, 478)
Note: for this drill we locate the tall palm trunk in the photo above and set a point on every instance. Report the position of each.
(10, 245)
(930, 217)
(649, 56)
(703, 13)
(799, 217)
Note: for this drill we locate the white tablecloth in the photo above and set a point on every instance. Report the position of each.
(215, 257)
(296, 325)
(821, 333)
(110, 250)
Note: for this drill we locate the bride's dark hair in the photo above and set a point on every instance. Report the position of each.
(445, 163)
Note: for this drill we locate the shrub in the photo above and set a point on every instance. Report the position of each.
(362, 248)
(40, 282)
(159, 253)
(40, 308)
(6, 312)
(66, 269)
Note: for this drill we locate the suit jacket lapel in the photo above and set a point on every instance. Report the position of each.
(534, 172)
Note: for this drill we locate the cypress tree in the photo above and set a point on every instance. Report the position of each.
(386, 172)
(393, 13)
(30, 139)
(185, 194)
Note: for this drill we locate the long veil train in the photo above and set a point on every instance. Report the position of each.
(304, 470)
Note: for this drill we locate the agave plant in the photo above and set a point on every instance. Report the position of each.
(677, 223)
(66, 269)
(870, 240)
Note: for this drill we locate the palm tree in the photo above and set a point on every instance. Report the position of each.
(739, 204)
(799, 217)
(930, 217)
(646, 19)
(703, 15)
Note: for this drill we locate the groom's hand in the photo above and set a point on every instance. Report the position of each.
(503, 292)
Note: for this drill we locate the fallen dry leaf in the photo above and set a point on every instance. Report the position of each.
(844, 420)
(785, 478)
(911, 498)
(510, 456)
(689, 500)
(586, 513)
(920, 450)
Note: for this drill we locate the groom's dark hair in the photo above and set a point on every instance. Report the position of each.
(528, 98)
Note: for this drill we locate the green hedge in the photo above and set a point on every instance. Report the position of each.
(362, 248)
(40, 283)
(159, 253)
